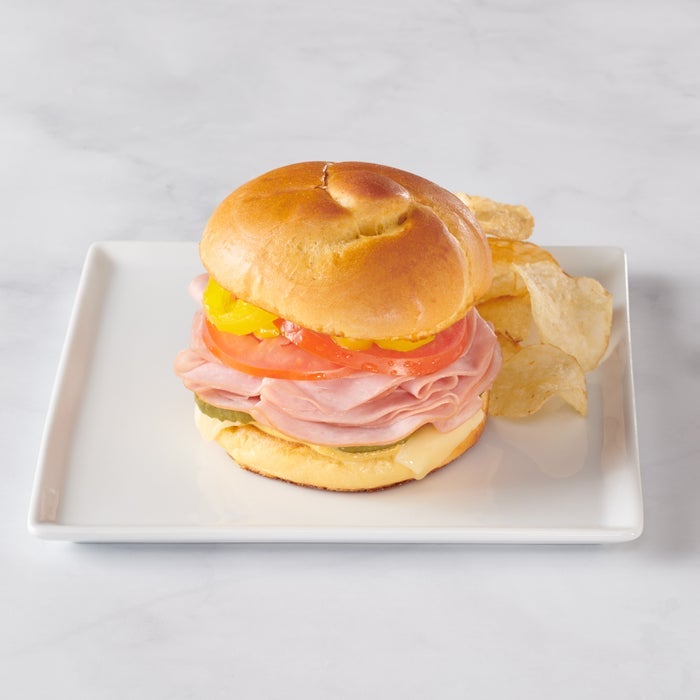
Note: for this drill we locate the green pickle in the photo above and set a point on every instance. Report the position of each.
(369, 448)
(222, 413)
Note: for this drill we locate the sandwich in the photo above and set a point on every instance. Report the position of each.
(337, 344)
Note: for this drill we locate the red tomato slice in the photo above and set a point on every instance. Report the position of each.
(447, 346)
(271, 357)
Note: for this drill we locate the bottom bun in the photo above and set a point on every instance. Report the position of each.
(320, 467)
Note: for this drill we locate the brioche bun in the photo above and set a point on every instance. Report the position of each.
(306, 465)
(349, 249)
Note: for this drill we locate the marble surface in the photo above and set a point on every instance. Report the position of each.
(132, 120)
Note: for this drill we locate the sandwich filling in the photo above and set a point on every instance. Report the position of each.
(337, 406)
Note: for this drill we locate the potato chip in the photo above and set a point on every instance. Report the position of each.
(510, 316)
(505, 255)
(508, 346)
(511, 221)
(532, 376)
(572, 313)
(551, 327)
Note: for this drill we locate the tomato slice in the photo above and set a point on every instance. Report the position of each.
(447, 346)
(271, 357)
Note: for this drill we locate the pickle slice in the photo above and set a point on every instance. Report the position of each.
(222, 413)
(369, 448)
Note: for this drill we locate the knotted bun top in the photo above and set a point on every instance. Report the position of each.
(351, 249)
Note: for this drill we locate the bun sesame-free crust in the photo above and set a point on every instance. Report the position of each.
(349, 249)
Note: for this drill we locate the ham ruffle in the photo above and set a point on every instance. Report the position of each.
(360, 409)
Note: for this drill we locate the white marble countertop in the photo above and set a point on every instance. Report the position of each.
(131, 121)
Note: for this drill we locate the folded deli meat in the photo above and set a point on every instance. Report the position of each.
(362, 408)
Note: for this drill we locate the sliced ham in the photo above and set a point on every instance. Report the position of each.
(197, 286)
(360, 409)
(388, 417)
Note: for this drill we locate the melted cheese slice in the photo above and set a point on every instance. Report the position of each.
(428, 446)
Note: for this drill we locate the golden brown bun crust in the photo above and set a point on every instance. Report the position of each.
(353, 249)
(300, 464)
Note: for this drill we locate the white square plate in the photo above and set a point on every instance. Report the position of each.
(121, 459)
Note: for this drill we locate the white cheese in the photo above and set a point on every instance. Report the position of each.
(428, 447)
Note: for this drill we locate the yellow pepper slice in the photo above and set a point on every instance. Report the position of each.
(231, 315)
(352, 343)
(402, 344)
